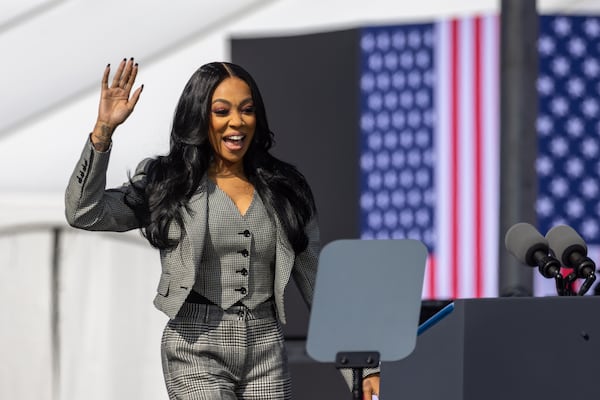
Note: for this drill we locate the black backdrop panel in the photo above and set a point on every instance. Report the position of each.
(310, 85)
(311, 91)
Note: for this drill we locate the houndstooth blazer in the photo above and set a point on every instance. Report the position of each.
(89, 206)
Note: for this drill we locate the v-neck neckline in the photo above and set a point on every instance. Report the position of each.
(232, 203)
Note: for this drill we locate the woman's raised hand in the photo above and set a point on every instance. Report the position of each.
(116, 102)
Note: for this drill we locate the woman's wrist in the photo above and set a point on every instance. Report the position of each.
(101, 136)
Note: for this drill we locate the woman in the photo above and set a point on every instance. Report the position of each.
(231, 221)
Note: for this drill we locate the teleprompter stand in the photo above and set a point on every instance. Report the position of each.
(357, 361)
(366, 304)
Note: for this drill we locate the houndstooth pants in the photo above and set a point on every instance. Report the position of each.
(210, 354)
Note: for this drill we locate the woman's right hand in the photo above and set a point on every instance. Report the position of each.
(116, 102)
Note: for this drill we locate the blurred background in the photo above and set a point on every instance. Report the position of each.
(393, 110)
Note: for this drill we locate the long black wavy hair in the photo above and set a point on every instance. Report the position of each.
(172, 179)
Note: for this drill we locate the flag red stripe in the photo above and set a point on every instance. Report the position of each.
(478, 133)
(431, 276)
(455, 156)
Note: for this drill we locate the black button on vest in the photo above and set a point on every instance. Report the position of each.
(242, 290)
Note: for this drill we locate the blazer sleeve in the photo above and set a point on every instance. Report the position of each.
(88, 205)
(305, 263)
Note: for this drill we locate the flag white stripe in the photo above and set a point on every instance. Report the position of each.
(442, 170)
(466, 181)
(491, 120)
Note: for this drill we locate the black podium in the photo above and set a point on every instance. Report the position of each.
(503, 348)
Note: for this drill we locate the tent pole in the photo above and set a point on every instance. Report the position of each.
(519, 23)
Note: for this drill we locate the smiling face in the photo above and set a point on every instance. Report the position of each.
(232, 123)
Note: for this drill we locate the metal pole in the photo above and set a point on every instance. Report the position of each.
(55, 312)
(518, 114)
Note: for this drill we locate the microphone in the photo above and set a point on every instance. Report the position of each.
(571, 249)
(524, 242)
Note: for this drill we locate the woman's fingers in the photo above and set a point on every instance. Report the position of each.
(132, 73)
(116, 82)
(124, 76)
(105, 77)
(124, 73)
(127, 73)
(135, 97)
(371, 386)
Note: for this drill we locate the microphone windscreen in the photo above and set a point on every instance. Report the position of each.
(523, 240)
(563, 241)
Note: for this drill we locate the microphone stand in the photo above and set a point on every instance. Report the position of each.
(597, 288)
(587, 283)
(560, 285)
(564, 285)
(568, 281)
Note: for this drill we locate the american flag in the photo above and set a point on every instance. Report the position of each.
(568, 127)
(429, 151)
(430, 146)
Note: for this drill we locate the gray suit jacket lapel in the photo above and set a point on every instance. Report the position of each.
(195, 222)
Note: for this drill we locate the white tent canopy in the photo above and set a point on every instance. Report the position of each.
(53, 62)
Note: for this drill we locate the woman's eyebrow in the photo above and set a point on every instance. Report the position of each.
(246, 100)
